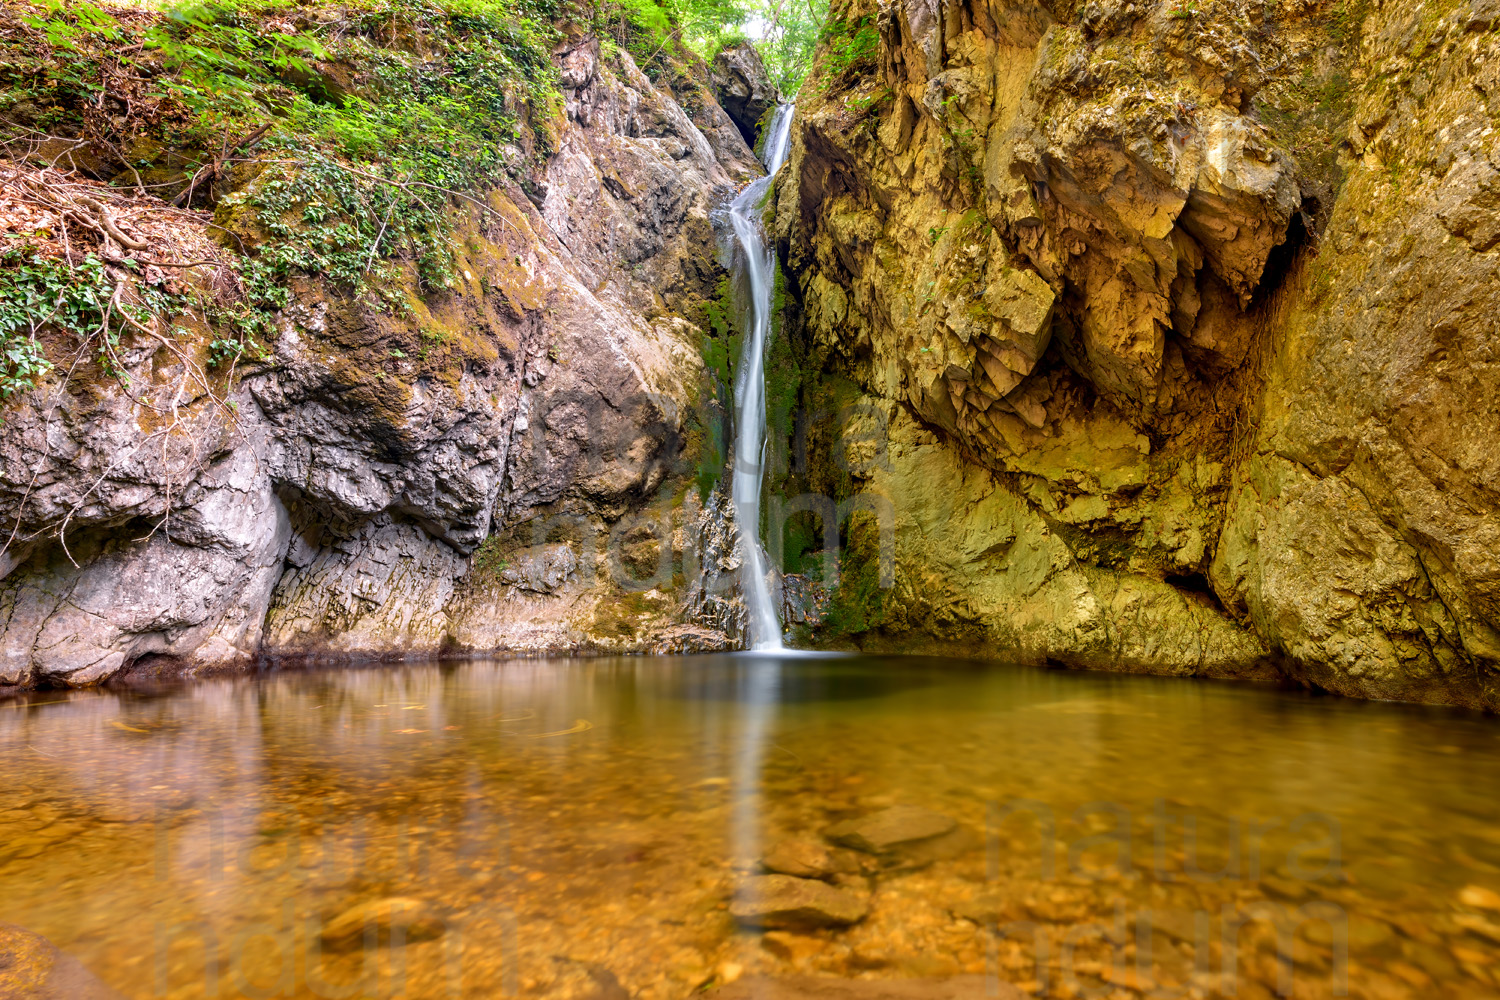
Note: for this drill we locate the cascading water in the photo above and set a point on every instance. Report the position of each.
(756, 289)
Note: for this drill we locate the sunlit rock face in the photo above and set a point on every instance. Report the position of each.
(1181, 323)
(471, 471)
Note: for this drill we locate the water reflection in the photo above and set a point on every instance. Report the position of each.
(539, 827)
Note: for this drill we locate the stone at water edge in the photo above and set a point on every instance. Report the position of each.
(34, 968)
(885, 831)
(781, 901)
(396, 916)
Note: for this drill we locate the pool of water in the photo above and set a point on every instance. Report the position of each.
(580, 828)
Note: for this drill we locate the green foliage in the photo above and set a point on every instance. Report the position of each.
(654, 30)
(489, 561)
(720, 347)
(783, 375)
(228, 350)
(851, 46)
(66, 32)
(966, 141)
(712, 453)
(1345, 19)
(33, 293)
(722, 337)
(792, 30)
(39, 293)
(801, 545)
(374, 124)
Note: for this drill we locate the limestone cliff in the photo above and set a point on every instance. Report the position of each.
(505, 462)
(1166, 327)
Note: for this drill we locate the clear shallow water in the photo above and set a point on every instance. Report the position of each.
(571, 824)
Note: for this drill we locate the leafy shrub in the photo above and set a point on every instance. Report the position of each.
(851, 46)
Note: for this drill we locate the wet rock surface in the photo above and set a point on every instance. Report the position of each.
(452, 476)
(1166, 363)
(890, 829)
(804, 857)
(391, 921)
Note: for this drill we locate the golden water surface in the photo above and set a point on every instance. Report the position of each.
(577, 828)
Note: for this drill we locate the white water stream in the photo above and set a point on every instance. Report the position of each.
(755, 280)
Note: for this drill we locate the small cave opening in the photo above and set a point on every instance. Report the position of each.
(150, 672)
(747, 128)
(1283, 257)
(1195, 587)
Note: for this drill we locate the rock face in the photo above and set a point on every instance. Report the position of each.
(743, 87)
(505, 464)
(1173, 326)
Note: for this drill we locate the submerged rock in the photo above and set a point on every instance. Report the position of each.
(804, 857)
(824, 988)
(792, 947)
(904, 838)
(393, 920)
(781, 901)
(884, 831)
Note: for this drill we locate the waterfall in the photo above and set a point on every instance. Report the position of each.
(755, 278)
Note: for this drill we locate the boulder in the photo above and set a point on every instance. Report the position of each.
(904, 838)
(743, 87)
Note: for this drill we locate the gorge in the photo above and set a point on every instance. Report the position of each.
(660, 499)
(1159, 329)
